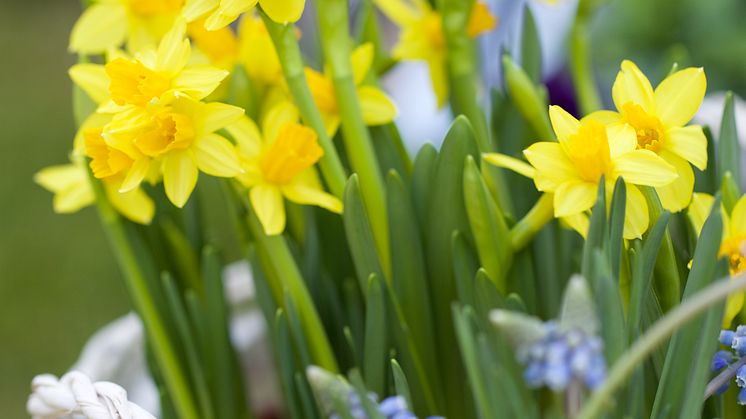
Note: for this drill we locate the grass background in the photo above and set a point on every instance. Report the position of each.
(58, 279)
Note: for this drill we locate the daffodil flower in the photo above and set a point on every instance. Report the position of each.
(422, 35)
(586, 150)
(108, 24)
(221, 13)
(376, 106)
(659, 118)
(150, 76)
(278, 163)
(732, 246)
(176, 139)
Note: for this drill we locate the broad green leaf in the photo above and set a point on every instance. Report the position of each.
(728, 147)
(530, 47)
(527, 98)
(375, 351)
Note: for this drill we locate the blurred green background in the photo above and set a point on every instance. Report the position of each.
(58, 280)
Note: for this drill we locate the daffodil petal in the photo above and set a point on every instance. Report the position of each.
(60, 177)
(174, 49)
(604, 117)
(199, 81)
(362, 60)
(283, 11)
(73, 198)
(439, 79)
(247, 136)
(643, 167)
(331, 123)
(101, 26)
(631, 85)
(677, 195)
(219, 115)
(92, 79)
(306, 195)
(227, 12)
(179, 176)
(699, 210)
(733, 306)
(377, 108)
(399, 11)
(195, 9)
(216, 156)
(136, 205)
(574, 197)
(622, 139)
(269, 208)
(679, 96)
(135, 174)
(553, 168)
(636, 218)
(578, 222)
(690, 143)
(281, 114)
(511, 163)
(563, 123)
(737, 225)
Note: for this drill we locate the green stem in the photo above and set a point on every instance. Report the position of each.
(656, 335)
(163, 349)
(333, 24)
(525, 230)
(581, 67)
(288, 51)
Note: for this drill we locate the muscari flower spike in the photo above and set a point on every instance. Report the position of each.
(558, 353)
(736, 341)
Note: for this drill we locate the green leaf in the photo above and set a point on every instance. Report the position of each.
(520, 329)
(730, 192)
(470, 356)
(610, 308)
(242, 92)
(374, 354)
(596, 231)
(527, 98)
(728, 147)
(706, 181)
(689, 352)
(491, 234)
(615, 240)
(464, 268)
(531, 47)
(578, 311)
(287, 364)
(400, 382)
(422, 176)
(359, 234)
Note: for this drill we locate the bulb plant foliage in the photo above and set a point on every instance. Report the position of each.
(532, 266)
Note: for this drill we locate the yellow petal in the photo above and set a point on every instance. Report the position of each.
(689, 143)
(578, 222)
(60, 177)
(632, 86)
(677, 195)
(574, 197)
(283, 11)
(636, 217)
(92, 79)
(174, 49)
(179, 176)
(510, 163)
(643, 167)
(622, 139)
(699, 210)
(399, 11)
(199, 81)
(246, 134)
(553, 168)
(281, 114)
(227, 12)
(679, 96)
(136, 205)
(101, 26)
(216, 156)
(604, 117)
(331, 123)
(733, 306)
(737, 225)
(563, 123)
(481, 20)
(306, 195)
(219, 115)
(195, 9)
(377, 108)
(73, 199)
(439, 78)
(135, 174)
(269, 208)
(362, 60)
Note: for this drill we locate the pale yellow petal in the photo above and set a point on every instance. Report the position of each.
(699, 210)
(269, 208)
(563, 123)
(307, 195)
(135, 174)
(578, 222)
(631, 85)
(399, 11)
(101, 26)
(377, 108)
(679, 96)
(174, 49)
(689, 143)
(552, 165)
(733, 306)
(281, 114)
(60, 177)
(73, 198)
(604, 117)
(216, 156)
(179, 176)
(362, 60)
(195, 9)
(283, 11)
(738, 218)
(510, 163)
(92, 79)
(227, 12)
(199, 81)
(439, 79)
(574, 197)
(622, 139)
(331, 123)
(219, 115)
(246, 134)
(636, 219)
(136, 205)
(643, 167)
(677, 195)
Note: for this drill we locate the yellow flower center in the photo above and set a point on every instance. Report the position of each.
(735, 249)
(166, 131)
(105, 161)
(295, 149)
(134, 84)
(589, 151)
(650, 131)
(148, 8)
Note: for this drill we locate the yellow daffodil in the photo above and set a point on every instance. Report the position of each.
(733, 244)
(221, 13)
(110, 23)
(376, 106)
(176, 139)
(587, 150)
(659, 118)
(278, 163)
(151, 75)
(421, 35)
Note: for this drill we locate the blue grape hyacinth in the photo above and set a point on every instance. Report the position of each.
(730, 363)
